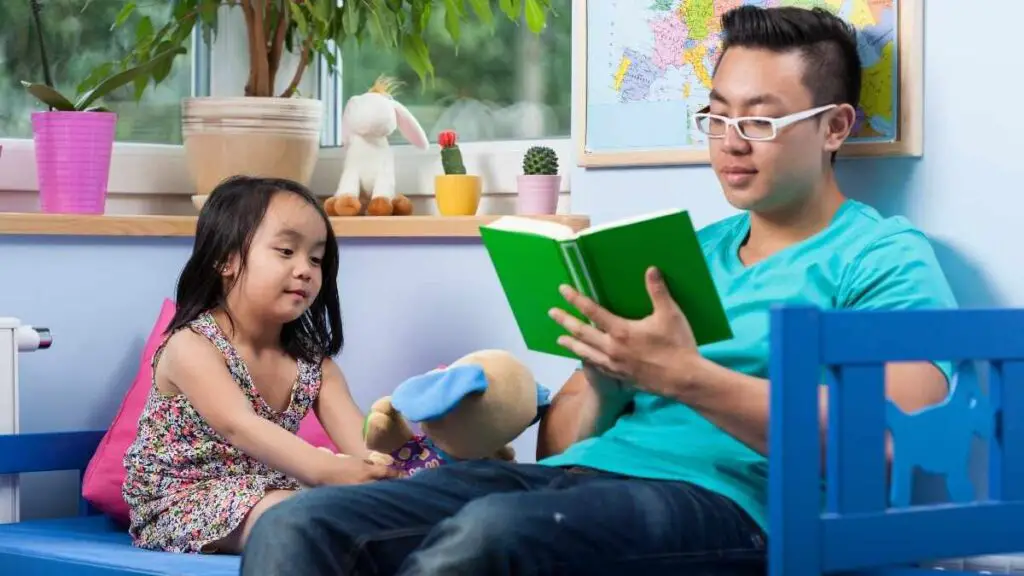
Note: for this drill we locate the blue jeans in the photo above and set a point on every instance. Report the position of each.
(492, 518)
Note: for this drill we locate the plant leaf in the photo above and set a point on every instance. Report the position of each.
(384, 28)
(325, 9)
(141, 81)
(208, 13)
(414, 49)
(144, 31)
(161, 70)
(349, 18)
(95, 76)
(510, 8)
(482, 8)
(299, 17)
(420, 17)
(125, 77)
(49, 96)
(452, 17)
(126, 12)
(535, 16)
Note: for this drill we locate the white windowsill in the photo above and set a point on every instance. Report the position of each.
(148, 169)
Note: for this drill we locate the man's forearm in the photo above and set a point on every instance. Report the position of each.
(580, 410)
(610, 399)
(740, 404)
(735, 402)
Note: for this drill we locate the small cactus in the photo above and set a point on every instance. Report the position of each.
(540, 160)
(451, 156)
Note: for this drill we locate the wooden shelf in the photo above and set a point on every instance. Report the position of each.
(27, 224)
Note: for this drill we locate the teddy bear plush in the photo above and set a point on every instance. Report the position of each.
(471, 409)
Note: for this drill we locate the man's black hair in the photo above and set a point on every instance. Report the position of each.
(827, 44)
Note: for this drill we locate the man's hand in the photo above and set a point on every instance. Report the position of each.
(652, 353)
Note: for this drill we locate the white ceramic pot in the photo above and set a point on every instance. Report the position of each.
(271, 137)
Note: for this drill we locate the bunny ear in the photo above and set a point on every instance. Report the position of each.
(409, 126)
(346, 131)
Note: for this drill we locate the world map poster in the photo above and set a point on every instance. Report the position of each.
(649, 65)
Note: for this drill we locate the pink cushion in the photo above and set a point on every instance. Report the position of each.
(101, 484)
(311, 431)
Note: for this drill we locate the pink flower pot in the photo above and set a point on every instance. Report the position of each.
(73, 152)
(537, 193)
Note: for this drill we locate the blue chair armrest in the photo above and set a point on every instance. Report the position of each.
(46, 452)
(50, 452)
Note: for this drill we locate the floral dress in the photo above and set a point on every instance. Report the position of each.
(185, 485)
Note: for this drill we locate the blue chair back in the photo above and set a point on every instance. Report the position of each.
(48, 452)
(863, 522)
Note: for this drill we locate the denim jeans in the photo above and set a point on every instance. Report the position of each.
(493, 518)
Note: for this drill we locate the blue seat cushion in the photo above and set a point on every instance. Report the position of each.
(95, 546)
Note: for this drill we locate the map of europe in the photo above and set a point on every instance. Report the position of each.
(648, 58)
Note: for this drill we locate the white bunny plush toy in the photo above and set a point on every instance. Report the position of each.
(367, 184)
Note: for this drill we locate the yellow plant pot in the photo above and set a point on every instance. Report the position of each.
(457, 194)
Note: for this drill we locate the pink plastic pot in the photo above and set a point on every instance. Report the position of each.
(73, 160)
(537, 193)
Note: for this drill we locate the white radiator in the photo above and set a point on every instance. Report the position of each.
(15, 338)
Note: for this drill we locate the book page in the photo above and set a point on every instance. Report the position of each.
(535, 226)
(629, 221)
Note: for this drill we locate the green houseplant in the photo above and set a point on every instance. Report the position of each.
(540, 183)
(74, 139)
(272, 128)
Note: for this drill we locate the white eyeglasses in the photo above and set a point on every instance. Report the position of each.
(758, 128)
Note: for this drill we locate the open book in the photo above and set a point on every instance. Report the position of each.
(607, 263)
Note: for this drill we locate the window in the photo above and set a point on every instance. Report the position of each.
(500, 89)
(505, 84)
(78, 39)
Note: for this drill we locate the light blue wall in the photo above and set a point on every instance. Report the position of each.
(401, 300)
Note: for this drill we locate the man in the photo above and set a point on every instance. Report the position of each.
(656, 451)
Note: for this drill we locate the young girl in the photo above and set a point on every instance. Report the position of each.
(248, 353)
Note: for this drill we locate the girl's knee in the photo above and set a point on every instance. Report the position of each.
(270, 499)
(235, 542)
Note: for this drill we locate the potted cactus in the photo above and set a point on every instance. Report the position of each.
(456, 193)
(539, 184)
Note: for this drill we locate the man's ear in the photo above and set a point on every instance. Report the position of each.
(839, 126)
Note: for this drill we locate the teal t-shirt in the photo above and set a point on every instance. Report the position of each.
(860, 261)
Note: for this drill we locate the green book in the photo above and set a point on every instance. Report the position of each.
(607, 263)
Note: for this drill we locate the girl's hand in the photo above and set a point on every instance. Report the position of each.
(349, 470)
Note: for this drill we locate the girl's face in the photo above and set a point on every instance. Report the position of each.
(282, 274)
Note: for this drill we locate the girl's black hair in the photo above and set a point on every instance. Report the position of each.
(226, 226)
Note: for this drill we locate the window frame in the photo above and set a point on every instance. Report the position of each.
(138, 169)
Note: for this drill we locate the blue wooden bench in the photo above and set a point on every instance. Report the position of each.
(89, 544)
(856, 529)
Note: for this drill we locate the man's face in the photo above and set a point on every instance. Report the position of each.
(769, 175)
